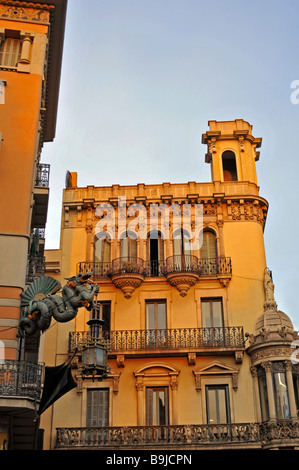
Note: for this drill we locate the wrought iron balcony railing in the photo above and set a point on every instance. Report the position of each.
(145, 436)
(42, 175)
(155, 268)
(167, 339)
(39, 232)
(36, 266)
(99, 270)
(158, 268)
(214, 266)
(20, 379)
(182, 263)
(128, 265)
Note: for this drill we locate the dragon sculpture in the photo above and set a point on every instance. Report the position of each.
(40, 301)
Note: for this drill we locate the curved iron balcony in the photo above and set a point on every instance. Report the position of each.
(20, 379)
(128, 265)
(100, 270)
(182, 263)
(158, 268)
(42, 175)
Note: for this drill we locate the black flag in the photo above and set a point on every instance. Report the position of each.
(58, 381)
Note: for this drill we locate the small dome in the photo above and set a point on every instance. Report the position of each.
(273, 320)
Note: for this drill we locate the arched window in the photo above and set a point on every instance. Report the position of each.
(155, 252)
(128, 246)
(209, 245)
(229, 166)
(208, 253)
(181, 243)
(102, 255)
(102, 249)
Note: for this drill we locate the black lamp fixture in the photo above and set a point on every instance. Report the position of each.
(96, 348)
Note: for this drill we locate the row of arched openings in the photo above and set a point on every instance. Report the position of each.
(155, 246)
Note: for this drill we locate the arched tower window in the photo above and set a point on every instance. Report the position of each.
(229, 166)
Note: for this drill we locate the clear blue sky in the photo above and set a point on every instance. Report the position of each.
(142, 78)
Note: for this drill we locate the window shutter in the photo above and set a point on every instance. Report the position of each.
(208, 249)
(149, 406)
(10, 52)
(97, 407)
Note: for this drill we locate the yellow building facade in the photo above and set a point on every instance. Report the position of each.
(199, 355)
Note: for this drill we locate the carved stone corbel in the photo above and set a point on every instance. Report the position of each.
(235, 380)
(79, 381)
(115, 376)
(239, 356)
(197, 378)
(120, 359)
(174, 381)
(192, 359)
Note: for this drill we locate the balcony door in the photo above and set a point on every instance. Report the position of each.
(128, 247)
(102, 256)
(156, 324)
(97, 413)
(212, 321)
(102, 312)
(208, 253)
(182, 250)
(155, 252)
(217, 401)
(157, 406)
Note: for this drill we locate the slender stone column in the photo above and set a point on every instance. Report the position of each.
(140, 388)
(268, 368)
(256, 393)
(290, 385)
(175, 404)
(26, 47)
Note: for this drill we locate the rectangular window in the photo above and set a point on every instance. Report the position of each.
(296, 385)
(97, 413)
(156, 315)
(212, 315)
(263, 394)
(156, 324)
(281, 396)
(10, 50)
(157, 412)
(103, 312)
(217, 400)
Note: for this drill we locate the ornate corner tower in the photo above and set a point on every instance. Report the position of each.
(232, 151)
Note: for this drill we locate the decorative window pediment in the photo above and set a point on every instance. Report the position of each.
(160, 372)
(216, 369)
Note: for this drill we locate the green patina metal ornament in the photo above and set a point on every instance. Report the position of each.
(40, 302)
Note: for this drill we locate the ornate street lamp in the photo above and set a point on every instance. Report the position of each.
(95, 350)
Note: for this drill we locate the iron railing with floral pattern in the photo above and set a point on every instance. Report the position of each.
(20, 379)
(42, 175)
(180, 338)
(158, 268)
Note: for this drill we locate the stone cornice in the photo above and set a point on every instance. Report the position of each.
(26, 12)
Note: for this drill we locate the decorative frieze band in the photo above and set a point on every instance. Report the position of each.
(274, 353)
(218, 212)
(21, 11)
